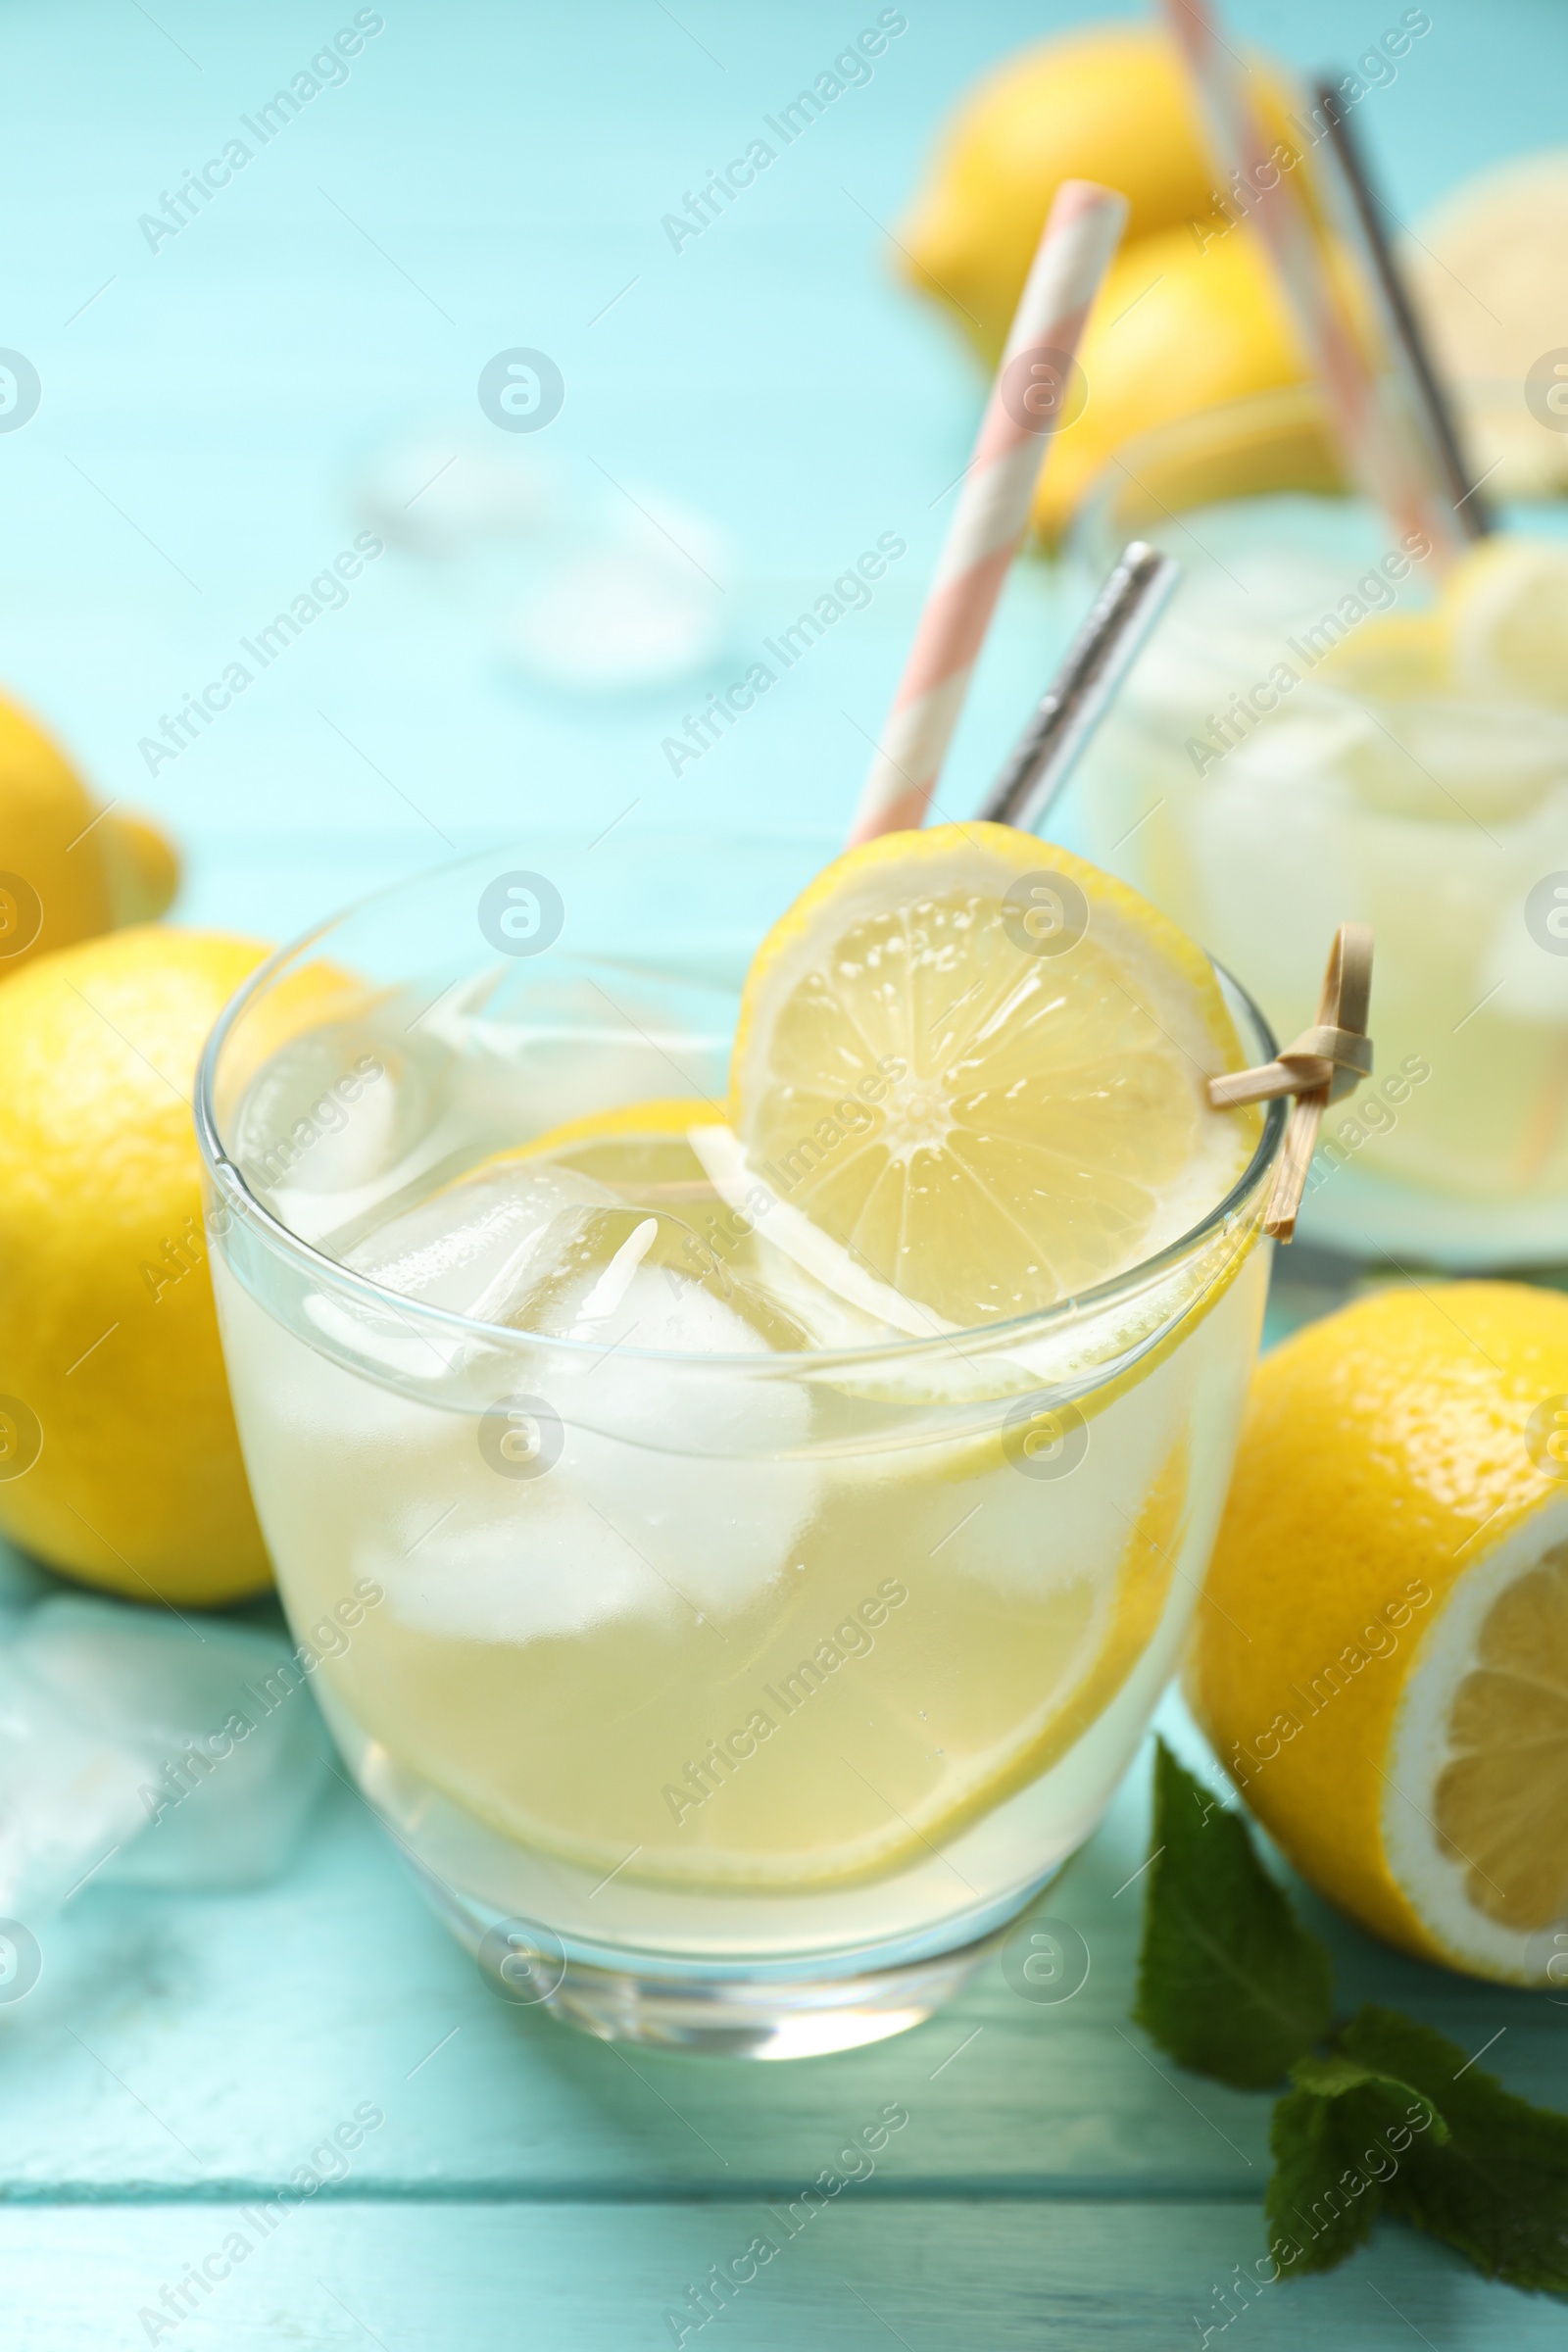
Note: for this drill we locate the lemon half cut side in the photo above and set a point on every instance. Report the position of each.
(1384, 1672)
(1484, 1729)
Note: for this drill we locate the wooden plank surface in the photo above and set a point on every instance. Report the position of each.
(207, 2043)
(491, 176)
(927, 2274)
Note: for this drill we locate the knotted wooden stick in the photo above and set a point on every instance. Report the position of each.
(1324, 1064)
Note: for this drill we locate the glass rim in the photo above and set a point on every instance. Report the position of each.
(237, 1196)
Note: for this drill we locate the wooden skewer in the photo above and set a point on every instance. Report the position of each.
(1321, 1067)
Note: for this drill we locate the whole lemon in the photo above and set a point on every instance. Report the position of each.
(1176, 329)
(118, 1460)
(1382, 1663)
(1113, 105)
(70, 869)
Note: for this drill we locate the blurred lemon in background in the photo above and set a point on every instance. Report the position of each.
(1173, 330)
(1189, 316)
(70, 869)
(118, 1460)
(1488, 270)
(1111, 105)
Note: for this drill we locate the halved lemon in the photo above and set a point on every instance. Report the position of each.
(978, 1063)
(1386, 1671)
(1507, 603)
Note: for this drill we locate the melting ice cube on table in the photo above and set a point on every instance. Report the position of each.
(143, 1746)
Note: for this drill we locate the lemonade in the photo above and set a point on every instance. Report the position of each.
(743, 1530)
(1320, 728)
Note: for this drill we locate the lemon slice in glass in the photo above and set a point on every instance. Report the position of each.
(1394, 658)
(979, 1063)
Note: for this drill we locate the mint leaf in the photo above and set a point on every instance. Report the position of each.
(1494, 2186)
(1333, 2140)
(1228, 1982)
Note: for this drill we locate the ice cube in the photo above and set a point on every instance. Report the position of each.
(612, 618)
(546, 1565)
(340, 1117)
(68, 1796)
(673, 1485)
(144, 1747)
(1451, 763)
(664, 1489)
(440, 495)
(582, 1282)
(467, 1246)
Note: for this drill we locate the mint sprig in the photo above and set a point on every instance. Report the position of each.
(1389, 2117)
(1336, 2141)
(1228, 1980)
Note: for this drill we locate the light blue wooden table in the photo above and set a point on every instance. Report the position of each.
(490, 178)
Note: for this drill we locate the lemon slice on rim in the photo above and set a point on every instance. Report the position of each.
(978, 1063)
(1508, 617)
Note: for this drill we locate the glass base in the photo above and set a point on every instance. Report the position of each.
(729, 2016)
(731, 2020)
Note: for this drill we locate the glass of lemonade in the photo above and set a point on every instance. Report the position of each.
(1314, 735)
(733, 1668)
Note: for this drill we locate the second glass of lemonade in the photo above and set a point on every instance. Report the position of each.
(1321, 730)
(732, 1665)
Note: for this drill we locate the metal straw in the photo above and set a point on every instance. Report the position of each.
(1076, 699)
(1472, 514)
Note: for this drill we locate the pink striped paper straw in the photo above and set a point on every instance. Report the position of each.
(1379, 446)
(1033, 385)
